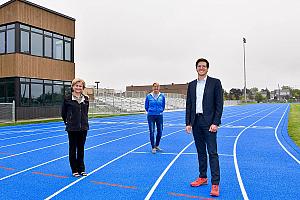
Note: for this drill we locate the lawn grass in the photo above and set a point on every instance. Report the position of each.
(294, 123)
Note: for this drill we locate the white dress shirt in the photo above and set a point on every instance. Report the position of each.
(199, 94)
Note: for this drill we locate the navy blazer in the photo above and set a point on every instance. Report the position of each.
(212, 103)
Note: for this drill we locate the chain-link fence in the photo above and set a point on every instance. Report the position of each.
(110, 101)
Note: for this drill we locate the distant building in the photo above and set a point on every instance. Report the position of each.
(282, 94)
(36, 58)
(171, 88)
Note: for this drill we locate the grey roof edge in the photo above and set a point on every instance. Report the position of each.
(38, 6)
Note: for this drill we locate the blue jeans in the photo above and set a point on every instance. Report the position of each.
(152, 120)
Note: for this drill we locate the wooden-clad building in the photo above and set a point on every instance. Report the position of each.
(36, 58)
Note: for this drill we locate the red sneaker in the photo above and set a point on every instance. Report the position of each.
(199, 181)
(215, 191)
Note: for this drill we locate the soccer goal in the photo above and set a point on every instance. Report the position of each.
(7, 112)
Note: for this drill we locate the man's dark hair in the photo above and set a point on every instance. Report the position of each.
(202, 60)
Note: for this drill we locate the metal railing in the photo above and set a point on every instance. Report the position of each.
(108, 101)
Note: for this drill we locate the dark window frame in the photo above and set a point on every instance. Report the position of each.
(19, 27)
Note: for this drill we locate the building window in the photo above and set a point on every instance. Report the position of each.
(10, 86)
(57, 48)
(2, 93)
(48, 95)
(36, 44)
(2, 42)
(48, 47)
(24, 94)
(10, 38)
(58, 94)
(7, 39)
(39, 92)
(36, 94)
(25, 42)
(7, 90)
(68, 51)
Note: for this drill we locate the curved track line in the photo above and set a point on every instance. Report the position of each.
(283, 147)
(238, 174)
(102, 166)
(165, 171)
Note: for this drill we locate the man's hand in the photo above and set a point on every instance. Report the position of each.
(213, 128)
(188, 129)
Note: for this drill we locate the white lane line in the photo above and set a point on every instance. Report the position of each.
(113, 127)
(146, 152)
(240, 114)
(282, 146)
(96, 129)
(102, 166)
(49, 146)
(53, 160)
(9, 145)
(165, 171)
(54, 131)
(237, 170)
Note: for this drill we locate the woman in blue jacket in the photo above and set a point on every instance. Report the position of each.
(155, 105)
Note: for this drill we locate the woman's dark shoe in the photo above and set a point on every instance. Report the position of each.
(83, 173)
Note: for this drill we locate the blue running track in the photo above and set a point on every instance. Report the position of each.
(258, 160)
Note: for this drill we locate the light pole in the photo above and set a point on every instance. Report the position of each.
(245, 88)
(97, 82)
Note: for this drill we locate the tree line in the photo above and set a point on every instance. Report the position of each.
(284, 94)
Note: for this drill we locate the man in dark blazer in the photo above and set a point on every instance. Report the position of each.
(204, 107)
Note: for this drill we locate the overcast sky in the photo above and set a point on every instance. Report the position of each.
(137, 42)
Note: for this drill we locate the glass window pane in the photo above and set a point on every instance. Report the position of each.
(24, 41)
(24, 94)
(48, 81)
(68, 83)
(36, 80)
(2, 93)
(36, 44)
(58, 82)
(37, 30)
(2, 28)
(57, 48)
(36, 94)
(58, 92)
(68, 51)
(48, 95)
(67, 39)
(10, 92)
(24, 27)
(68, 90)
(2, 42)
(10, 26)
(47, 33)
(58, 36)
(10, 41)
(48, 47)
(25, 80)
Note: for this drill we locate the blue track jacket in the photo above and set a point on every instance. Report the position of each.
(155, 106)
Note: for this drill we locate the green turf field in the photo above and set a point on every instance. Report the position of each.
(294, 123)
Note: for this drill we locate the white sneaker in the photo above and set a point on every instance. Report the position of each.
(153, 150)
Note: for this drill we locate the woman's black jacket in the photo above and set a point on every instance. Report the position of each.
(75, 115)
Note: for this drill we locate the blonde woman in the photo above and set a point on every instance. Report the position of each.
(155, 105)
(75, 116)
